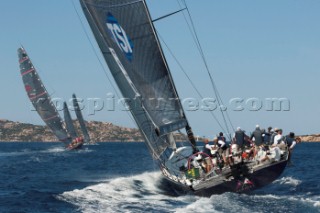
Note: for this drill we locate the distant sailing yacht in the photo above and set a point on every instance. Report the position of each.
(83, 126)
(129, 43)
(41, 100)
(77, 142)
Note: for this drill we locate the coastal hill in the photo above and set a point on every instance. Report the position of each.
(98, 131)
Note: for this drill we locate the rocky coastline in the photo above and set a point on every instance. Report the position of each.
(310, 138)
(11, 131)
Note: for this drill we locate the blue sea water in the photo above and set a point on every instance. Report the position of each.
(121, 177)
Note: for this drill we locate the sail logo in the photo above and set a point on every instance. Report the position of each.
(28, 88)
(119, 36)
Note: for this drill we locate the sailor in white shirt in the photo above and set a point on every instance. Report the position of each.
(279, 140)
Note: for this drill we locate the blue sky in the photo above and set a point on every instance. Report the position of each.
(255, 50)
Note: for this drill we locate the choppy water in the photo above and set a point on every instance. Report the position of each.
(121, 177)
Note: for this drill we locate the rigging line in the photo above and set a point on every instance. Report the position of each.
(185, 73)
(203, 56)
(196, 39)
(96, 54)
(227, 114)
(170, 14)
(195, 36)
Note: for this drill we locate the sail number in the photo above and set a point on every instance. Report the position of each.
(119, 36)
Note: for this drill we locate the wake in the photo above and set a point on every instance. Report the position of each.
(138, 192)
(141, 193)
